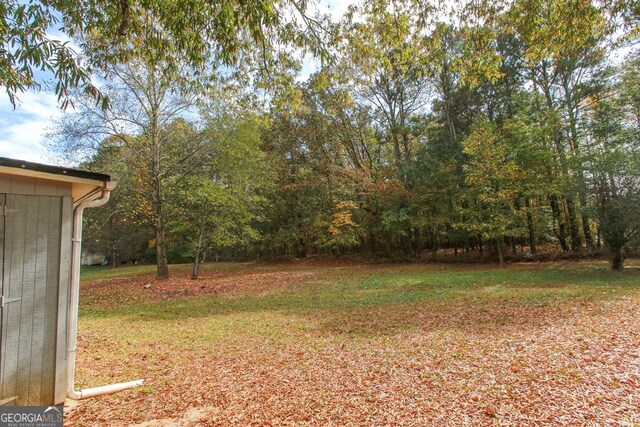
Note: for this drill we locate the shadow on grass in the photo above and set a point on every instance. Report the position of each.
(385, 303)
(95, 272)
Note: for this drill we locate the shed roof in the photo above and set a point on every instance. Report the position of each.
(6, 162)
(85, 184)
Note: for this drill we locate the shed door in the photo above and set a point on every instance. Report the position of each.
(30, 263)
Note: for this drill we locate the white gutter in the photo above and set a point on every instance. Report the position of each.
(72, 330)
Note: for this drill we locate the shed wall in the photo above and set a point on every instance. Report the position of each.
(12, 184)
(36, 236)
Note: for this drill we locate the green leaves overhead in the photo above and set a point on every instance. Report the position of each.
(26, 49)
(171, 34)
(556, 29)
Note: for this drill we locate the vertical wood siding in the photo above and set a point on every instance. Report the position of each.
(31, 272)
(11, 184)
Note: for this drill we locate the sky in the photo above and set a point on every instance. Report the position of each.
(23, 129)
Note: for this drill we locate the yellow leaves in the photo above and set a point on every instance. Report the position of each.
(296, 101)
(494, 179)
(389, 37)
(342, 219)
(558, 29)
(480, 61)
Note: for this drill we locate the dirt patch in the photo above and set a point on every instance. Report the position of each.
(190, 417)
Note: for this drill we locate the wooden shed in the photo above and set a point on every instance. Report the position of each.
(40, 232)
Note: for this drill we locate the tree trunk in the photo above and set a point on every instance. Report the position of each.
(573, 225)
(417, 236)
(532, 230)
(195, 271)
(371, 241)
(561, 233)
(617, 261)
(500, 255)
(546, 86)
(586, 229)
(301, 251)
(582, 191)
(197, 259)
(157, 197)
(161, 247)
(408, 243)
(434, 246)
(161, 243)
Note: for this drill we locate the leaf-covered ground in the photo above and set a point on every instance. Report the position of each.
(312, 344)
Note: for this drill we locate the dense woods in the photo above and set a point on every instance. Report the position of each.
(490, 131)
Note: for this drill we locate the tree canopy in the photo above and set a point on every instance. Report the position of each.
(494, 130)
(171, 34)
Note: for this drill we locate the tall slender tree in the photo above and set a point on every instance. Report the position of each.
(145, 118)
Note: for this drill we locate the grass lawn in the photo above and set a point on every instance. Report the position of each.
(340, 344)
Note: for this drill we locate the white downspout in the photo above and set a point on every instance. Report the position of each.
(72, 330)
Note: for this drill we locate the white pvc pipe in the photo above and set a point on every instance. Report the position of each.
(74, 296)
(107, 389)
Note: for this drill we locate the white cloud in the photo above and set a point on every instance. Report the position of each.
(22, 130)
(309, 66)
(58, 35)
(337, 8)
